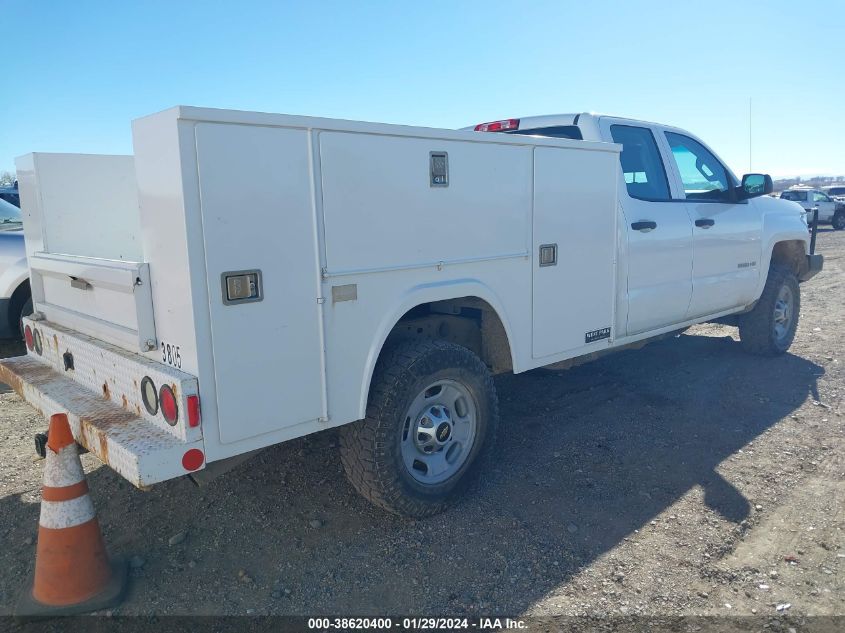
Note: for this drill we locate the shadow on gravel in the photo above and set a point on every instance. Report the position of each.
(585, 457)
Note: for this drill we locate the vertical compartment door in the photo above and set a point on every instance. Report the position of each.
(263, 277)
(575, 229)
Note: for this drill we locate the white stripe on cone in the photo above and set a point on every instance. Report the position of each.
(64, 514)
(63, 468)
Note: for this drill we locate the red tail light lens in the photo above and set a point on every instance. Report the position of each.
(167, 402)
(27, 334)
(498, 126)
(193, 411)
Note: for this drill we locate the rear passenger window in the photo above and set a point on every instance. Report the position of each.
(645, 176)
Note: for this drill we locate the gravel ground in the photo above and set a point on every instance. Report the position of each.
(683, 478)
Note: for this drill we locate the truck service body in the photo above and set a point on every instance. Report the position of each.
(247, 278)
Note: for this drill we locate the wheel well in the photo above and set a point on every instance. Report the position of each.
(790, 253)
(19, 297)
(467, 321)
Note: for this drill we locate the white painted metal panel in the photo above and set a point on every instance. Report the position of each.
(171, 235)
(88, 204)
(381, 211)
(257, 213)
(82, 227)
(726, 256)
(109, 299)
(574, 208)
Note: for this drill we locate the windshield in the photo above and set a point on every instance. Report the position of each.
(10, 216)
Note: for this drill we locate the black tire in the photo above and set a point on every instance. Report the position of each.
(757, 330)
(370, 449)
(26, 310)
(838, 222)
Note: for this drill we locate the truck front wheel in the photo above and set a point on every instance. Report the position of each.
(770, 327)
(431, 422)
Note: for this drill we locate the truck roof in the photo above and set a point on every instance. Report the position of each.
(585, 120)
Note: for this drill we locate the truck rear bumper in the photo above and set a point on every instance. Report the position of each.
(814, 265)
(135, 448)
(110, 422)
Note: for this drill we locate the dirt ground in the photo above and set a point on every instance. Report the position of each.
(683, 478)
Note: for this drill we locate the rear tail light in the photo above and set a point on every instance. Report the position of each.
(169, 408)
(498, 126)
(27, 334)
(193, 411)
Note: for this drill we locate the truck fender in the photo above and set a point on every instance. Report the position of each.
(16, 275)
(427, 293)
(778, 228)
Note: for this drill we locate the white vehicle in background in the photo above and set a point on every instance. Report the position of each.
(248, 278)
(15, 302)
(837, 192)
(830, 211)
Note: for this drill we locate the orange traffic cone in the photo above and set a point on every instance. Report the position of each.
(72, 570)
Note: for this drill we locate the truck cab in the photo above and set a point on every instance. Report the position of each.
(692, 242)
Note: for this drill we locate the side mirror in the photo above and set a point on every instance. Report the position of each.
(754, 185)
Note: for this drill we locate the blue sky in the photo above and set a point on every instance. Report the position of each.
(78, 72)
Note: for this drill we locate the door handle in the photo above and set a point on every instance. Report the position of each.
(705, 223)
(644, 226)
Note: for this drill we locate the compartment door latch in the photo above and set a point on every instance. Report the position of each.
(242, 286)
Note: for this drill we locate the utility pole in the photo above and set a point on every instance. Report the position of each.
(750, 163)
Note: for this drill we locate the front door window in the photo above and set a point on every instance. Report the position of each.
(703, 176)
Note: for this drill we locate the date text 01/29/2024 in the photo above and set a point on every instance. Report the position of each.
(415, 624)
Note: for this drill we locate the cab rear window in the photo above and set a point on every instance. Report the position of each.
(554, 131)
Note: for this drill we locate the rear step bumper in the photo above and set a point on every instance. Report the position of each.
(99, 391)
(135, 448)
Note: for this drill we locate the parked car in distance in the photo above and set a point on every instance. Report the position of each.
(837, 192)
(10, 194)
(830, 211)
(15, 301)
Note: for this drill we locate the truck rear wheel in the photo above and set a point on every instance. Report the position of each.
(770, 327)
(431, 422)
(838, 220)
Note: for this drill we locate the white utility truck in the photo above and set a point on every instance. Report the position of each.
(245, 278)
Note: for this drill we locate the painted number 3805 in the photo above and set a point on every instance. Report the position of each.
(171, 355)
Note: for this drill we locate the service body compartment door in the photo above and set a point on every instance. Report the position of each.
(258, 217)
(575, 234)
